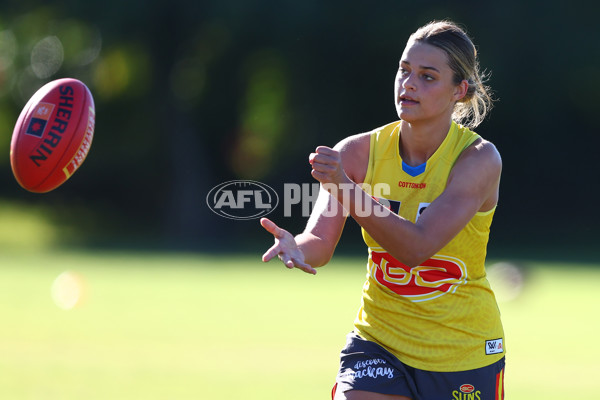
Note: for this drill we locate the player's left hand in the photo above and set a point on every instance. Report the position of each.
(327, 166)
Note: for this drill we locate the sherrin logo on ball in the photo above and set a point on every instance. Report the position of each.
(53, 135)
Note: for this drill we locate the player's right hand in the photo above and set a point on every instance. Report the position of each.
(285, 248)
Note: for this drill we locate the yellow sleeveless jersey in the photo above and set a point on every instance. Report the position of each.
(441, 315)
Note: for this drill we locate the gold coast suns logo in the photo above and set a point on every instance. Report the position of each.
(433, 278)
(467, 392)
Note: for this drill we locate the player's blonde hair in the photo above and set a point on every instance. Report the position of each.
(462, 59)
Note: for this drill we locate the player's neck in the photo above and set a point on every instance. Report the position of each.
(418, 141)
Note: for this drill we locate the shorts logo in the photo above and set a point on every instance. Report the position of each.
(374, 368)
(466, 388)
(494, 346)
(467, 392)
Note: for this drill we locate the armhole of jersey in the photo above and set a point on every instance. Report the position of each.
(484, 213)
(479, 213)
(471, 141)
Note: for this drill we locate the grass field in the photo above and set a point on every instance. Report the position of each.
(189, 326)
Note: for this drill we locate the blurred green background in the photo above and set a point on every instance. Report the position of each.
(190, 94)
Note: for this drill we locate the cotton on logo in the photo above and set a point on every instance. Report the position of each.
(242, 199)
(434, 278)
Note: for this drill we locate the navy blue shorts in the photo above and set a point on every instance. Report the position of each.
(367, 366)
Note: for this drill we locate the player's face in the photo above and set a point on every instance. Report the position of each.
(424, 88)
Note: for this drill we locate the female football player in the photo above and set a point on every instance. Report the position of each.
(428, 327)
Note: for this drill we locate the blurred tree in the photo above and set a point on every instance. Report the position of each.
(191, 94)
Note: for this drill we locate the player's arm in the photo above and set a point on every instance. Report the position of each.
(472, 187)
(315, 246)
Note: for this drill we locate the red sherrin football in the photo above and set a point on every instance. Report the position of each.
(53, 135)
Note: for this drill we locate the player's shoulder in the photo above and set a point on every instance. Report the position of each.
(355, 155)
(354, 144)
(483, 156)
(484, 150)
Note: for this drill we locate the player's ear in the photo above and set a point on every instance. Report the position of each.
(461, 90)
